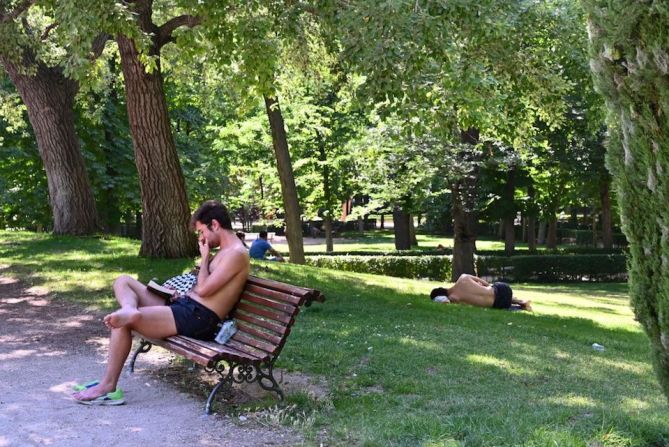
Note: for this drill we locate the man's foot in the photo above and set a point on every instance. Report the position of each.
(526, 305)
(93, 392)
(121, 317)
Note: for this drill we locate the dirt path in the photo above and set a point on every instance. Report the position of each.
(46, 346)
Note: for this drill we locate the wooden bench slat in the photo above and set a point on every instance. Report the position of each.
(277, 295)
(279, 286)
(253, 330)
(286, 319)
(246, 349)
(287, 308)
(277, 328)
(247, 339)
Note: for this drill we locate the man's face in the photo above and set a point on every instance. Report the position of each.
(207, 233)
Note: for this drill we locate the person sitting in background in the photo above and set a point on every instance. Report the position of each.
(469, 289)
(260, 247)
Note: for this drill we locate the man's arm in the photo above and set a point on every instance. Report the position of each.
(209, 283)
(480, 281)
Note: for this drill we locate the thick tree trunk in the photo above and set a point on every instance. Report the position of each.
(383, 221)
(361, 224)
(607, 221)
(166, 213)
(401, 228)
(49, 99)
(464, 215)
(287, 179)
(551, 239)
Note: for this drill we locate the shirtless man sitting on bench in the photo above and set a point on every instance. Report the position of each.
(469, 289)
(196, 314)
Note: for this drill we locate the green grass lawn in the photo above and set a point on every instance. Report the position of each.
(403, 371)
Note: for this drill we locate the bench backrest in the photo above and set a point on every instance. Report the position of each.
(265, 313)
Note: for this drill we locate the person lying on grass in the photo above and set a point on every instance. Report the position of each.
(195, 314)
(469, 289)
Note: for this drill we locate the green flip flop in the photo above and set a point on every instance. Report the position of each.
(109, 399)
(84, 386)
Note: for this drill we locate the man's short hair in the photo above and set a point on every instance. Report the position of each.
(262, 235)
(439, 291)
(210, 210)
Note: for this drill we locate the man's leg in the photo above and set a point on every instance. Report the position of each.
(153, 322)
(131, 295)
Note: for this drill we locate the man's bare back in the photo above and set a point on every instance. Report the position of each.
(469, 289)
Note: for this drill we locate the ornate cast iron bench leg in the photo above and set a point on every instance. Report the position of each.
(225, 382)
(144, 346)
(269, 376)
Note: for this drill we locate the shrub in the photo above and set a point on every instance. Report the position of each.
(553, 268)
(432, 267)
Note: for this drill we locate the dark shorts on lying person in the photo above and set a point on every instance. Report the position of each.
(503, 295)
(194, 319)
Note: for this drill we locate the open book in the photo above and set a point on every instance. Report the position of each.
(156, 288)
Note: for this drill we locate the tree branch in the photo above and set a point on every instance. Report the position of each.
(18, 10)
(47, 30)
(98, 45)
(165, 31)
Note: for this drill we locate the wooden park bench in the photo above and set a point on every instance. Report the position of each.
(264, 316)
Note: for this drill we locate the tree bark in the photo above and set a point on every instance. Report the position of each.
(541, 237)
(607, 226)
(412, 232)
(327, 193)
(383, 222)
(510, 217)
(166, 214)
(464, 215)
(551, 239)
(49, 99)
(287, 179)
(531, 220)
(401, 229)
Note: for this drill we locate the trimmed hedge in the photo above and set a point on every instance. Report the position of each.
(449, 251)
(554, 268)
(532, 268)
(433, 267)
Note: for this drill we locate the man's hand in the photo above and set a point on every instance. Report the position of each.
(204, 248)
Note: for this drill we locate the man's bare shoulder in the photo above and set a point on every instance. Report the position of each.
(234, 256)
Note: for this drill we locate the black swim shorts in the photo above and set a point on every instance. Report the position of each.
(194, 319)
(503, 295)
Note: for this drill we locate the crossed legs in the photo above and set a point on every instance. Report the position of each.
(140, 310)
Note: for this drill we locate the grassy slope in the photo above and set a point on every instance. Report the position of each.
(403, 371)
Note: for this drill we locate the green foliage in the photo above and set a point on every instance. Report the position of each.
(630, 62)
(554, 268)
(431, 266)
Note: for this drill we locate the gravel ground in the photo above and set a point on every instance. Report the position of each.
(47, 346)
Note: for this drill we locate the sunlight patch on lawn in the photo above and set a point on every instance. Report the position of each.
(572, 401)
(502, 364)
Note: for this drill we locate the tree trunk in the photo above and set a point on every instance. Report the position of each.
(361, 224)
(531, 220)
(510, 217)
(607, 226)
(287, 179)
(166, 214)
(551, 239)
(541, 236)
(464, 214)
(49, 99)
(327, 193)
(327, 226)
(402, 229)
(412, 232)
(383, 222)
